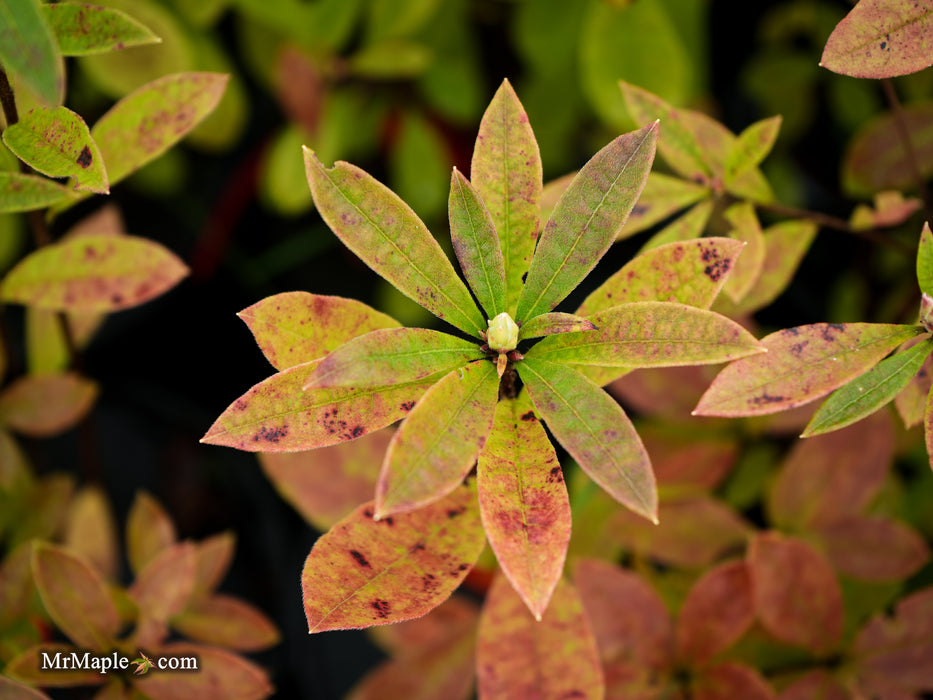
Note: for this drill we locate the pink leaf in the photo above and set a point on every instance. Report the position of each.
(161, 590)
(873, 548)
(730, 681)
(45, 405)
(815, 685)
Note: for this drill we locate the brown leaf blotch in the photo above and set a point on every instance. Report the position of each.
(407, 406)
(829, 331)
(555, 476)
(85, 158)
(530, 416)
(381, 607)
(454, 512)
(360, 559)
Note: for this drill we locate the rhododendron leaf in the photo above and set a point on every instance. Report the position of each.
(327, 483)
(93, 273)
(881, 39)
(832, 476)
(751, 147)
(800, 365)
(91, 531)
(16, 584)
(455, 618)
(731, 680)
(925, 260)
(871, 548)
(587, 219)
(476, 244)
(227, 622)
(686, 227)
(506, 172)
(745, 227)
(296, 327)
(20, 192)
(692, 533)
(662, 196)
(56, 142)
(387, 235)
(819, 684)
(26, 666)
(28, 49)
(221, 674)
(149, 531)
(717, 611)
(75, 597)
(278, 415)
(524, 503)
(393, 356)
(438, 443)
(82, 30)
(651, 334)
(869, 392)
(552, 323)
(213, 558)
(892, 652)
(162, 590)
(797, 596)
(689, 272)
(519, 657)
(47, 404)
(911, 401)
(595, 431)
(368, 572)
(14, 690)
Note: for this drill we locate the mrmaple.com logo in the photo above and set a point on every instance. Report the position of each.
(86, 661)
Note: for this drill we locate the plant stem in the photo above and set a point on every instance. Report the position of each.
(900, 123)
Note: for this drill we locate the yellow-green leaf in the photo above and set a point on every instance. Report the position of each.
(87, 29)
(28, 49)
(686, 227)
(387, 235)
(751, 147)
(93, 273)
(663, 195)
(925, 260)
(438, 443)
(56, 142)
(524, 504)
(595, 431)
(20, 192)
(48, 404)
(91, 531)
(149, 531)
(745, 227)
(554, 322)
(367, 572)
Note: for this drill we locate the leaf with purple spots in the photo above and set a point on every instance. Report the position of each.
(870, 391)
(387, 235)
(520, 657)
(93, 273)
(56, 142)
(595, 431)
(745, 227)
(278, 415)
(506, 172)
(587, 220)
(552, 323)
(524, 502)
(296, 327)
(367, 572)
(881, 39)
(82, 30)
(438, 443)
(651, 334)
(690, 272)
(800, 365)
(393, 356)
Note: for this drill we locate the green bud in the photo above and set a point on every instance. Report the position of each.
(502, 335)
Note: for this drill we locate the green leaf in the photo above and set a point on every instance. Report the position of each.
(388, 236)
(552, 323)
(651, 334)
(506, 172)
(75, 597)
(20, 192)
(390, 59)
(28, 49)
(418, 165)
(93, 273)
(690, 272)
(745, 227)
(881, 39)
(869, 392)
(912, 399)
(296, 327)
(277, 415)
(520, 657)
(56, 142)
(925, 260)
(587, 219)
(393, 356)
(595, 431)
(686, 227)
(86, 29)
(800, 365)
(663, 195)
(438, 443)
(751, 147)
(476, 244)
(367, 572)
(147, 122)
(524, 504)
(47, 404)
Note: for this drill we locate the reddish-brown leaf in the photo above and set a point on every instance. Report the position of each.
(326, 484)
(873, 548)
(688, 462)
(213, 557)
(797, 596)
(161, 590)
(45, 405)
(666, 392)
(524, 503)
(228, 622)
(368, 572)
(718, 610)
(16, 586)
(13, 690)
(149, 530)
(730, 681)
(815, 685)
(454, 618)
(519, 657)
(296, 327)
